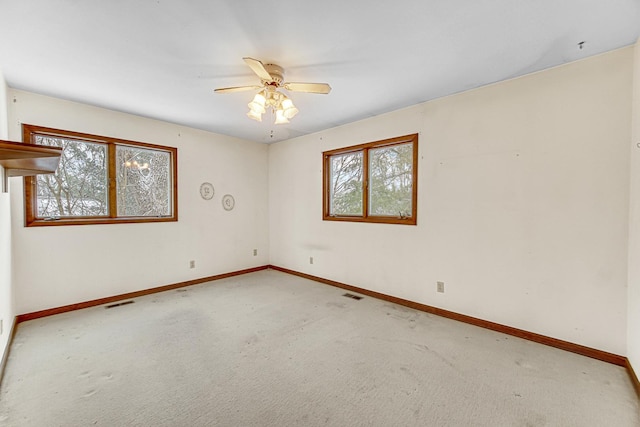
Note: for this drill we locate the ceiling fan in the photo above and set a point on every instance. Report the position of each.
(272, 78)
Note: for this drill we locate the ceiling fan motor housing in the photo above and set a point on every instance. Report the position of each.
(276, 72)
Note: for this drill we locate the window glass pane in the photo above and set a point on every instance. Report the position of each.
(79, 186)
(346, 184)
(390, 180)
(143, 181)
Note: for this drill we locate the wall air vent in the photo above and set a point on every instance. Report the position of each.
(118, 304)
(348, 295)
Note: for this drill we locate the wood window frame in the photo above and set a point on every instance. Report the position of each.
(29, 133)
(364, 148)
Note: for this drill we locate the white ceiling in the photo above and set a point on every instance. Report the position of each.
(163, 58)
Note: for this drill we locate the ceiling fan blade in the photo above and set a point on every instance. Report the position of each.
(308, 87)
(258, 68)
(236, 89)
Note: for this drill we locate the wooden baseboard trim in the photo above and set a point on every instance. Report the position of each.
(100, 301)
(542, 339)
(633, 376)
(5, 354)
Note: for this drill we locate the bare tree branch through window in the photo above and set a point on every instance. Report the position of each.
(101, 180)
(372, 182)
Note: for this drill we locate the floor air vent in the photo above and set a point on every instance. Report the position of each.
(118, 304)
(352, 296)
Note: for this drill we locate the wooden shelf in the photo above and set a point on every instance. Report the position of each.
(19, 159)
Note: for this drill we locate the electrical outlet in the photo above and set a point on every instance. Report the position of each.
(1, 326)
(255, 252)
(192, 264)
(310, 260)
(441, 287)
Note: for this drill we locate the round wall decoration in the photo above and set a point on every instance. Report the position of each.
(228, 202)
(206, 191)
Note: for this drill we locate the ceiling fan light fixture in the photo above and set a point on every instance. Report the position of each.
(290, 113)
(258, 103)
(269, 98)
(256, 108)
(252, 114)
(288, 109)
(286, 103)
(260, 98)
(281, 118)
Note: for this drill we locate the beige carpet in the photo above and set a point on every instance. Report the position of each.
(270, 349)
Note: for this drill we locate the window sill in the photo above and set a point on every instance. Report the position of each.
(373, 219)
(40, 222)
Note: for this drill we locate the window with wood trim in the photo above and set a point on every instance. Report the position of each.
(101, 180)
(372, 182)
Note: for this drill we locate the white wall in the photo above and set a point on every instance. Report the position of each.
(633, 322)
(6, 296)
(80, 263)
(522, 200)
(523, 208)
